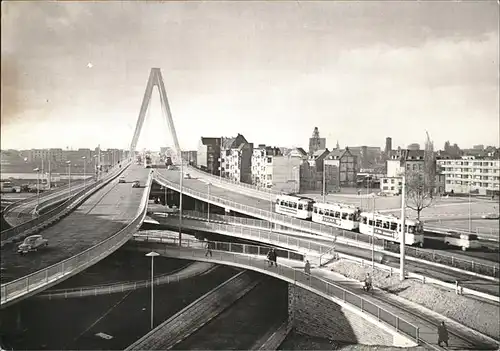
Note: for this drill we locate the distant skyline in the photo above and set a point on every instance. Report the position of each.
(74, 73)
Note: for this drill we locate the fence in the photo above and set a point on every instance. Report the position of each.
(232, 253)
(35, 281)
(58, 212)
(492, 270)
(482, 232)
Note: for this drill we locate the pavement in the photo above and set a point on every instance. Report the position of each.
(102, 215)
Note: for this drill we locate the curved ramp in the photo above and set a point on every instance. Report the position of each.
(252, 257)
(87, 245)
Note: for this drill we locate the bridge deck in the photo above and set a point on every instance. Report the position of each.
(102, 215)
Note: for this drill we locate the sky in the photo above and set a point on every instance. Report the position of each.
(272, 71)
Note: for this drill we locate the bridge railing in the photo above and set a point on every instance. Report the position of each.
(491, 270)
(310, 227)
(60, 210)
(77, 263)
(481, 232)
(252, 257)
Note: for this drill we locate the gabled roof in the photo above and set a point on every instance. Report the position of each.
(319, 153)
(339, 153)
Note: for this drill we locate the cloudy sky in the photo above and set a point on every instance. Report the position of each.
(272, 71)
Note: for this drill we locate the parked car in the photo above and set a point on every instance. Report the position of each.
(121, 180)
(136, 184)
(187, 176)
(32, 243)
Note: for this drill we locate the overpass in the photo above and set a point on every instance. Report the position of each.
(405, 327)
(101, 224)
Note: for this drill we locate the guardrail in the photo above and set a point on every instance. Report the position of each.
(480, 231)
(43, 278)
(492, 270)
(51, 216)
(231, 252)
(309, 227)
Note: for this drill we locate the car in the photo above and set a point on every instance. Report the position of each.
(491, 216)
(187, 176)
(32, 243)
(136, 184)
(121, 180)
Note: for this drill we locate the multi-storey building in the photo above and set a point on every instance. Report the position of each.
(400, 162)
(236, 159)
(366, 156)
(209, 154)
(190, 157)
(270, 169)
(471, 174)
(341, 169)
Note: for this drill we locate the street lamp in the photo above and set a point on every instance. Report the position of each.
(84, 162)
(69, 176)
(324, 182)
(152, 254)
(403, 225)
(180, 197)
(373, 236)
(470, 221)
(37, 170)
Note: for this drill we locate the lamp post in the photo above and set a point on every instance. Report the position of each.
(470, 221)
(180, 197)
(403, 225)
(69, 176)
(324, 182)
(152, 254)
(84, 162)
(37, 170)
(208, 207)
(373, 236)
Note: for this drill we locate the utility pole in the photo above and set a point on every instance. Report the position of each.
(324, 182)
(403, 227)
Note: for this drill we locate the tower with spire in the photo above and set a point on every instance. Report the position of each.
(315, 142)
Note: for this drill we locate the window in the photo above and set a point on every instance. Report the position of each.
(269, 160)
(385, 181)
(344, 215)
(392, 181)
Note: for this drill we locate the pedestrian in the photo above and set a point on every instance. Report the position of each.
(307, 269)
(275, 257)
(270, 257)
(209, 249)
(442, 334)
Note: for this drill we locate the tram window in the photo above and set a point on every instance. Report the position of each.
(300, 207)
(378, 223)
(321, 211)
(386, 225)
(344, 215)
(309, 206)
(394, 226)
(363, 220)
(294, 205)
(315, 209)
(278, 201)
(350, 217)
(282, 203)
(337, 214)
(370, 222)
(473, 237)
(411, 229)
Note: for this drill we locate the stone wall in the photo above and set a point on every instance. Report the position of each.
(317, 316)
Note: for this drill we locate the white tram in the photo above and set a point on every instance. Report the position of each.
(336, 215)
(388, 227)
(294, 206)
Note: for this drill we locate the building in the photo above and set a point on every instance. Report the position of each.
(270, 169)
(236, 159)
(208, 155)
(190, 157)
(317, 158)
(316, 143)
(340, 169)
(367, 156)
(297, 152)
(400, 162)
(470, 174)
(414, 146)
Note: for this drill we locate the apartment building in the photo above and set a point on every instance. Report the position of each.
(271, 169)
(400, 162)
(470, 174)
(209, 154)
(236, 159)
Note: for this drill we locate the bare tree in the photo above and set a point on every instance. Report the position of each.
(418, 192)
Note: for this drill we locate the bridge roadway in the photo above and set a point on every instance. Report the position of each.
(23, 211)
(102, 215)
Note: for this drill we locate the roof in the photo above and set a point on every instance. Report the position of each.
(339, 153)
(319, 153)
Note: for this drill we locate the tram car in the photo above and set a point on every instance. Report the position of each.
(294, 206)
(388, 227)
(337, 215)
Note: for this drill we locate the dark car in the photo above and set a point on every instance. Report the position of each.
(32, 243)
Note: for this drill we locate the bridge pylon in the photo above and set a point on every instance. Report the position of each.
(155, 79)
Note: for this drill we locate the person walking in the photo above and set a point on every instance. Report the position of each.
(275, 257)
(307, 269)
(442, 334)
(209, 249)
(270, 257)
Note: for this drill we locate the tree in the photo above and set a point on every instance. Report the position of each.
(429, 164)
(418, 192)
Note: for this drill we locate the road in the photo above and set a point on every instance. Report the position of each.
(101, 216)
(123, 316)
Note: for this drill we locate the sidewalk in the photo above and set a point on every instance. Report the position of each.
(461, 337)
